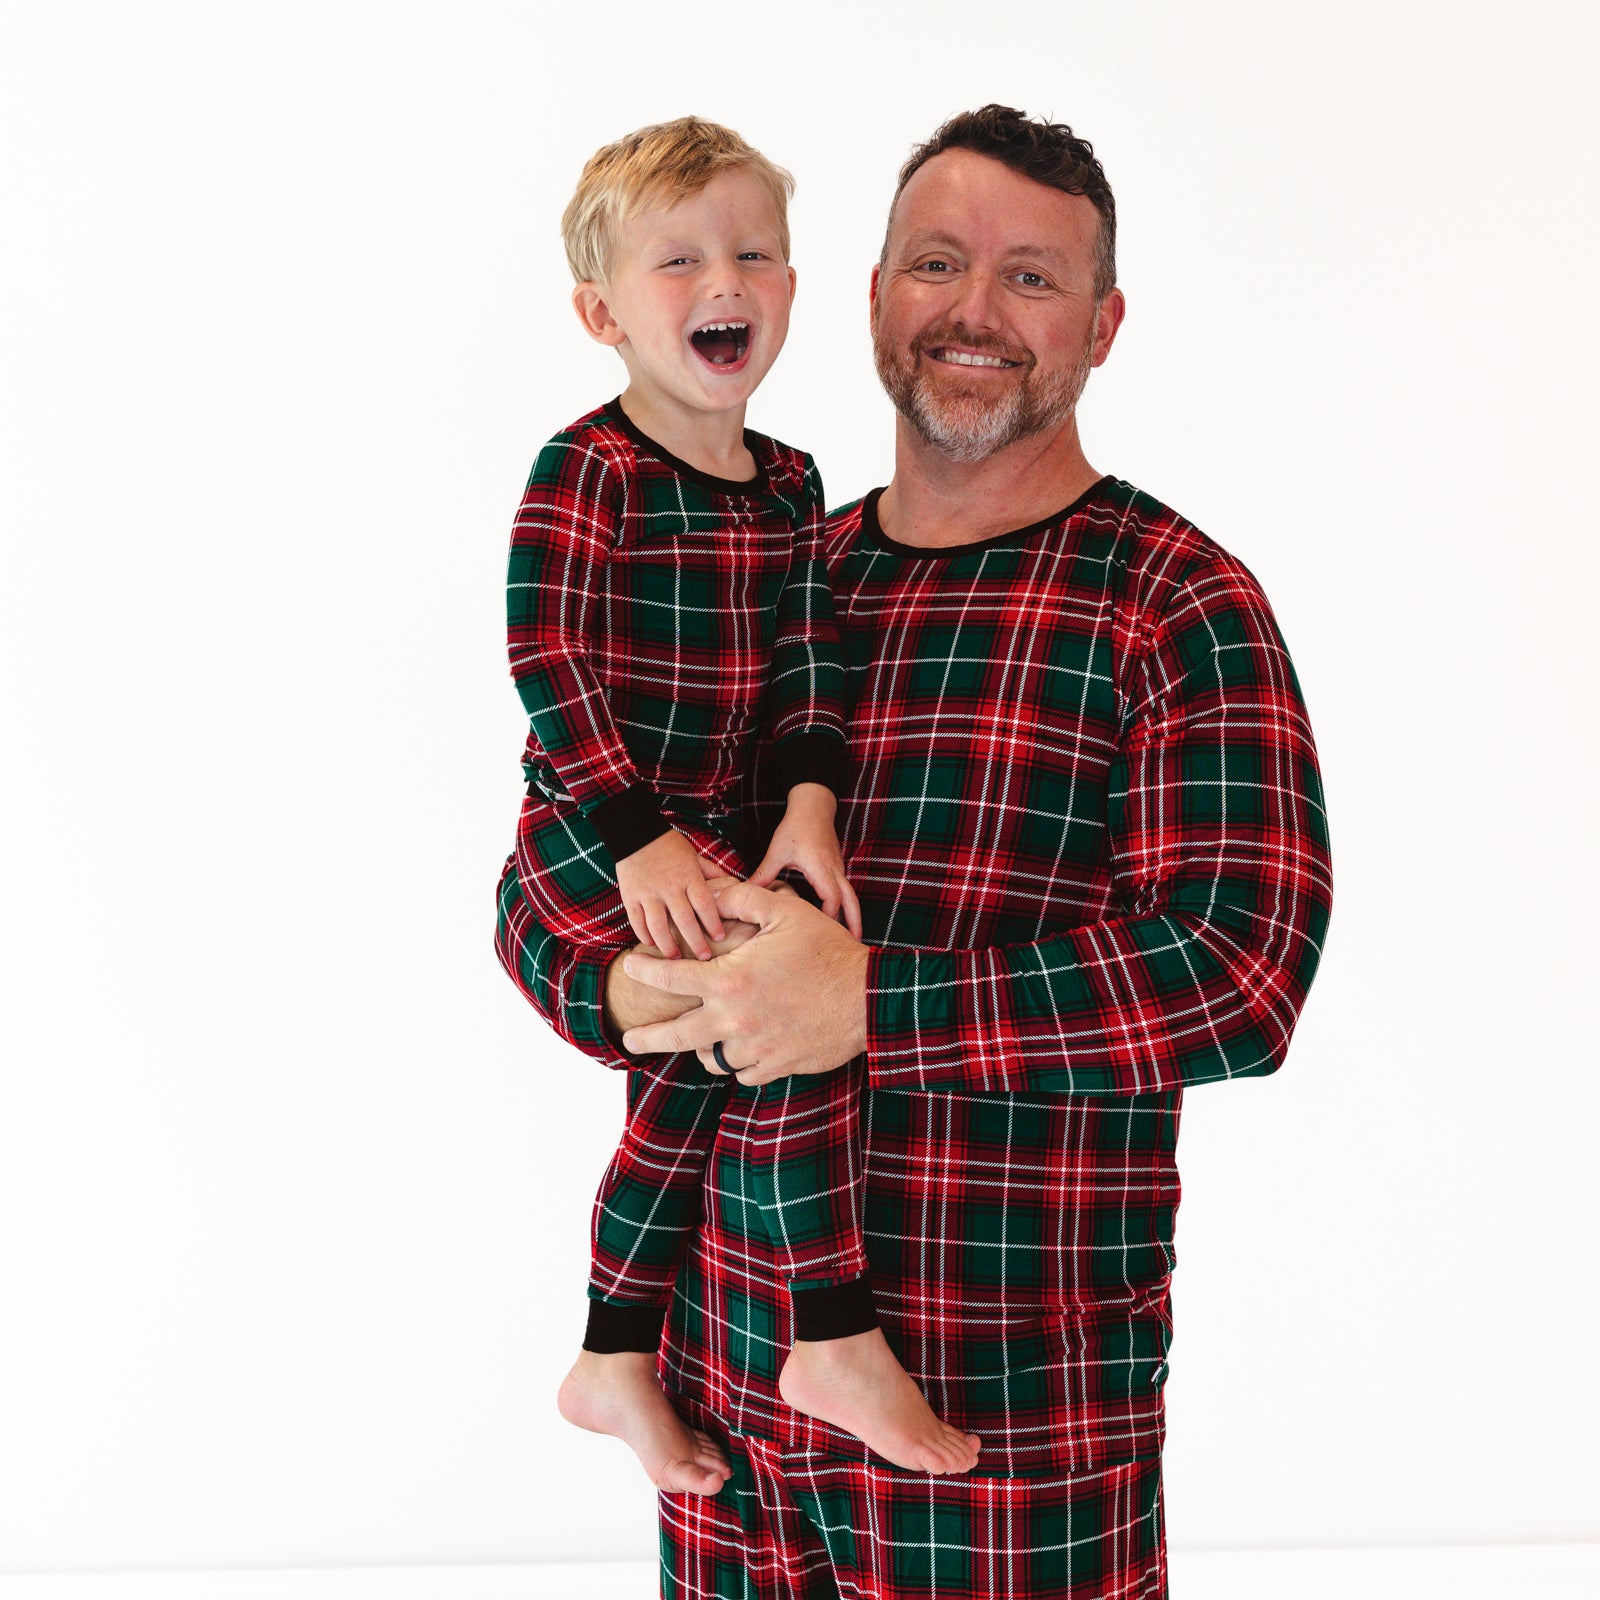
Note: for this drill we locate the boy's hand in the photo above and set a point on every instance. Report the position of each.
(806, 841)
(664, 886)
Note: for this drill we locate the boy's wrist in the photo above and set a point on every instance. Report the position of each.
(813, 797)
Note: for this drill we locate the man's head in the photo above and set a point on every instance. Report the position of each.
(996, 290)
(678, 237)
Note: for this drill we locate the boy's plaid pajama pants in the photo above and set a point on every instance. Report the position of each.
(791, 1525)
(648, 1205)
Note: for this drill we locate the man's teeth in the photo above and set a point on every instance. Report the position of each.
(960, 358)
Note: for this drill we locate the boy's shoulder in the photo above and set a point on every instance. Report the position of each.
(596, 432)
(785, 466)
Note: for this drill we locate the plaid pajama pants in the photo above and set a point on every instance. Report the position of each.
(807, 1197)
(791, 1525)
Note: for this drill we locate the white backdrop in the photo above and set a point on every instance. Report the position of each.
(293, 1187)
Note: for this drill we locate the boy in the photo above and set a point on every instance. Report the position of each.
(666, 593)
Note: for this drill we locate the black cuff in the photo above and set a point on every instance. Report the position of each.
(834, 1311)
(613, 1328)
(629, 821)
(812, 758)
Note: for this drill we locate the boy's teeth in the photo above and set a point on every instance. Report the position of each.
(722, 343)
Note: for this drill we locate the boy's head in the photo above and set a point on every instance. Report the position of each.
(653, 168)
(678, 237)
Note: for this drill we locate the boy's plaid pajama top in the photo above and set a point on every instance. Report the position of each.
(1086, 823)
(654, 613)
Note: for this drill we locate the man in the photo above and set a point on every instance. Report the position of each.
(1085, 823)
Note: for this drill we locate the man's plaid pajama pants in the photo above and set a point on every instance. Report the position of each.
(793, 1525)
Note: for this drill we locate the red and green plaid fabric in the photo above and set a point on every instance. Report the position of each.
(657, 616)
(790, 1525)
(1085, 820)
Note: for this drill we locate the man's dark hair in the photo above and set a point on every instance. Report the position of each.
(1048, 152)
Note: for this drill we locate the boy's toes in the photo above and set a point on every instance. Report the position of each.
(690, 1477)
(710, 1454)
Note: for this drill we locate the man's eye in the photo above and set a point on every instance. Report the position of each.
(934, 266)
(1033, 280)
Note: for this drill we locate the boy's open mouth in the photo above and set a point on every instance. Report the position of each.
(723, 344)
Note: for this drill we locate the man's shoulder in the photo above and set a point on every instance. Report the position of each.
(1163, 556)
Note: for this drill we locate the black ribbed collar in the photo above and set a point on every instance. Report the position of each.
(752, 442)
(872, 529)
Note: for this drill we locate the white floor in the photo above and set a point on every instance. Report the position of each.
(1476, 1572)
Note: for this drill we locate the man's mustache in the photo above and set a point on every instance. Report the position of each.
(985, 344)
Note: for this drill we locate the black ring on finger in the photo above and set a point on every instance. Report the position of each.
(722, 1060)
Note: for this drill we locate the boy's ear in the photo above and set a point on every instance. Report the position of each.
(589, 301)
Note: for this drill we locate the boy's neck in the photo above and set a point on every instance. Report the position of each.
(711, 441)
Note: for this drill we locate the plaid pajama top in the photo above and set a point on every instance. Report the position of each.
(1087, 828)
(654, 611)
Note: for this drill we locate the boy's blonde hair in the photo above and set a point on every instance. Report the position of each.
(662, 164)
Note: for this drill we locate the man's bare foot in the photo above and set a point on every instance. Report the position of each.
(620, 1394)
(858, 1385)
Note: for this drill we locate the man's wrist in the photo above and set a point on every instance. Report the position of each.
(854, 988)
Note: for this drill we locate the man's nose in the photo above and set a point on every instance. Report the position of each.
(977, 300)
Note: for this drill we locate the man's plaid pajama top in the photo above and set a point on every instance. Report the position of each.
(1086, 823)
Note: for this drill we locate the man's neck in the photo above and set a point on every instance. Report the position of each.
(934, 501)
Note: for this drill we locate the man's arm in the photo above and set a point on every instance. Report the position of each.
(1219, 849)
(580, 991)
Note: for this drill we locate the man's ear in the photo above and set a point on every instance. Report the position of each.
(1108, 319)
(594, 312)
(872, 297)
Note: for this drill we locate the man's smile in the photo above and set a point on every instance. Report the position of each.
(968, 358)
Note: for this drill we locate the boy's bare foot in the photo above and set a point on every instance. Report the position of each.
(857, 1384)
(620, 1394)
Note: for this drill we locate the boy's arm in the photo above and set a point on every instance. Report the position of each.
(805, 708)
(560, 542)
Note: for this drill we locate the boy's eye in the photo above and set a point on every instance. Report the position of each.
(752, 255)
(678, 261)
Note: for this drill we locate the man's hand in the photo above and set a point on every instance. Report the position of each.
(793, 999)
(631, 1004)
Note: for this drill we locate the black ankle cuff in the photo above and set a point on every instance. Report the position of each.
(834, 1311)
(613, 1328)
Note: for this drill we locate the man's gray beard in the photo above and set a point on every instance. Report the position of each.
(966, 428)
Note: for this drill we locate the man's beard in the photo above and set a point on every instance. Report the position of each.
(970, 426)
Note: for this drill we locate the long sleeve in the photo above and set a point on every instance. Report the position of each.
(805, 708)
(1219, 853)
(560, 542)
(564, 983)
